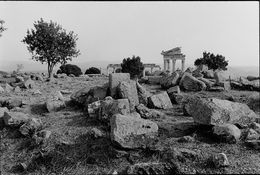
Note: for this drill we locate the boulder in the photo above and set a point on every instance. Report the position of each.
(15, 119)
(128, 90)
(218, 76)
(109, 107)
(80, 95)
(160, 101)
(174, 90)
(13, 102)
(170, 80)
(208, 74)
(212, 111)
(115, 79)
(220, 160)
(8, 88)
(147, 113)
(154, 79)
(253, 102)
(96, 93)
(29, 84)
(143, 94)
(207, 82)
(30, 127)
(190, 83)
(55, 101)
(227, 133)
(132, 132)
(2, 111)
(17, 89)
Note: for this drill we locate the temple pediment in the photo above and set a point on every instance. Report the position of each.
(171, 52)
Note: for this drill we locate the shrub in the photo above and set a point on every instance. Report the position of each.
(133, 66)
(212, 61)
(70, 69)
(92, 70)
(118, 70)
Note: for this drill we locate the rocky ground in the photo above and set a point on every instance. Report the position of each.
(80, 144)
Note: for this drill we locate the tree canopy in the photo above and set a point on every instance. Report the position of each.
(133, 65)
(49, 43)
(212, 61)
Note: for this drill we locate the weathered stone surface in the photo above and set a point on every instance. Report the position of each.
(15, 119)
(8, 88)
(1, 89)
(170, 80)
(227, 133)
(17, 89)
(253, 102)
(174, 90)
(155, 168)
(29, 84)
(128, 91)
(190, 83)
(37, 92)
(55, 101)
(160, 101)
(216, 89)
(207, 82)
(133, 132)
(143, 94)
(115, 79)
(96, 133)
(80, 95)
(215, 111)
(96, 93)
(19, 79)
(41, 137)
(30, 127)
(13, 102)
(178, 98)
(218, 76)
(147, 113)
(2, 111)
(220, 160)
(154, 79)
(92, 108)
(255, 126)
(198, 71)
(252, 135)
(110, 107)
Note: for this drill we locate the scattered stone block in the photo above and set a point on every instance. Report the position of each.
(160, 101)
(220, 160)
(55, 102)
(170, 81)
(133, 132)
(15, 119)
(227, 132)
(115, 79)
(147, 113)
(190, 83)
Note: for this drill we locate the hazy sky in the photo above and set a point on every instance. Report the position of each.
(111, 31)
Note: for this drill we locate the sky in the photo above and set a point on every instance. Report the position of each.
(108, 32)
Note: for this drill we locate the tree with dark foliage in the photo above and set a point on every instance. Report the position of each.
(212, 61)
(70, 69)
(50, 43)
(92, 70)
(133, 66)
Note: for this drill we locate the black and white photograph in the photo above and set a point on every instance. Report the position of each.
(129, 87)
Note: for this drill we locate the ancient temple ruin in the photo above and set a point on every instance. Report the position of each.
(114, 67)
(173, 55)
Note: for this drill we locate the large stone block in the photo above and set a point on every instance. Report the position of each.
(15, 119)
(212, 111)
(170, 80)
(128, 90)
(115, 79)
(190, 83)
(133, 132)
(160, 101)
(55, 102)
(143, 94)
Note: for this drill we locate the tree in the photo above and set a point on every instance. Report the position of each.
(133, 66)
(2, 28)
(70, 69)
(212, 61)
(92, 70)
(50, 43)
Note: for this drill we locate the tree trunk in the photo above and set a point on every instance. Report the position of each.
(50, 69)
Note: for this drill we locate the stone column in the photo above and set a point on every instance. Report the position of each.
(173, 65)
(164, 65)
(168, 65)
(113, 70)
(144, 73)
(151, 70)
(183, 65)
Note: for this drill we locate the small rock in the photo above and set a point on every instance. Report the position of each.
(29, 84)
(147, 113)
(13, 102)
(227, 132)
(252, 135)
(17, 89)
(96, 133)
(37, 92)
(30, 127)
(8, 88)
(220, 160)
(15, 119)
